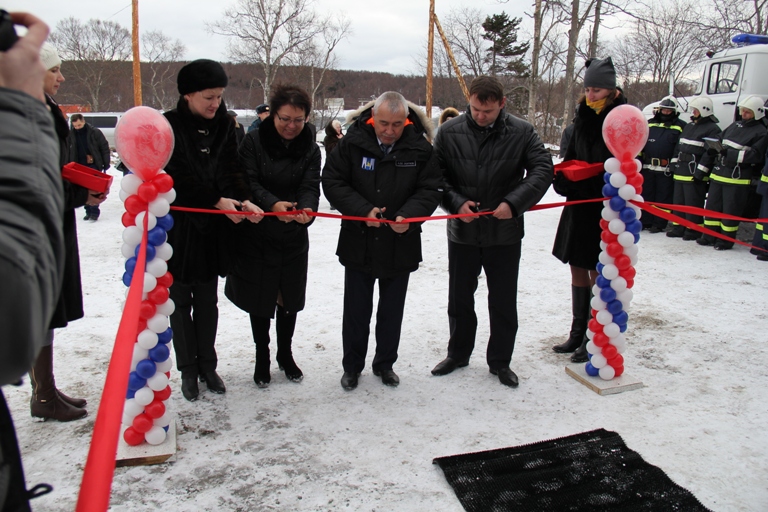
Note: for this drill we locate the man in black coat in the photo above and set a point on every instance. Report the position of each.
(89, 147)
(492, 162)
(382, 169)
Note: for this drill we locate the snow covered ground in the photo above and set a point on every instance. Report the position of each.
(697, 340)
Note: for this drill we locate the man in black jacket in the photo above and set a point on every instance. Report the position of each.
(89, 147)
(382, 169)
(492, 162)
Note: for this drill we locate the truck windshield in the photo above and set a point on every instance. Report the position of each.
(724, 77)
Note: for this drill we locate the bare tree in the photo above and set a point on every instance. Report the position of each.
(87, 47)
(161, 52)
(464, 30)
(266, 32)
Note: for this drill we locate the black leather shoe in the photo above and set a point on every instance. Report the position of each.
(214, 382)
(292, 371)
(447, 365)
(87, 217)
(388, 377)
(655, 229)
(506, 377)
(704, 241)
(189, 388)
(349, 380)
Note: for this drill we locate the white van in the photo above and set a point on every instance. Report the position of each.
(730, 75)
(104, 121)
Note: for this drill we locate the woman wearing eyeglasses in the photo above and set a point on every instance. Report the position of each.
(269, 276)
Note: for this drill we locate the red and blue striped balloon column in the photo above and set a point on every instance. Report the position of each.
(625, 132)
(144, 140)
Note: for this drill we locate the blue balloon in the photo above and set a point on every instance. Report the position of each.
(591, 370)
(127, 278)
(165, 336)
(159, 352)
(637, 237)
(599, 268)
(156, 236)
(150, 251)
(621, 318)
(130, 264)
(615, 307)
(609, 190)
(623, 328)
(166, 428)
(606, 177)
(130, 394)
(634, 227)
(617, 203)
(627, 215)
(146, 368)
(602, 282)
(136, 382)
(608, 294)
(165, 222)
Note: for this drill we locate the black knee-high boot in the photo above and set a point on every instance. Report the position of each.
(580, 305)
(285, 324)
(260, 329)
(581, 355)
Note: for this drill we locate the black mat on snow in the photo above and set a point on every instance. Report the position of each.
(591, 471)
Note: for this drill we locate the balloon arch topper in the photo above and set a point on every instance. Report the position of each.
(144, 141)
(625, 132)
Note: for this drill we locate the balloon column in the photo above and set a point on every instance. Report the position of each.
(144, 141)
(625, 132)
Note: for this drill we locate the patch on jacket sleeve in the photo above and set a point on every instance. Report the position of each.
(368, 164)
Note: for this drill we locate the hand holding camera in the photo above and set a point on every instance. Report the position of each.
(20, 66)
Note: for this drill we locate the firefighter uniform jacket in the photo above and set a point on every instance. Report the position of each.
(662, 140)
(742, 157)
(691, 148)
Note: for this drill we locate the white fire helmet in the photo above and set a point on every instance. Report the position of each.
(703, 105)
(670, 103)
(754, 103)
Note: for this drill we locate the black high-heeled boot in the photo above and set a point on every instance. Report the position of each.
(260, 329)
(580, 305)
(285, 324)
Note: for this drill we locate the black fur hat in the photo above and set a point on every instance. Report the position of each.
(199, 75)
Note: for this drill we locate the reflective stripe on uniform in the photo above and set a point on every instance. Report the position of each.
(668, 127)
(734, 145)
(714, 223)
(730, 229)
(703, 169)
(655, 168)
(730, 181)
(683, 178)
(740, 158)
(764, 178)
(691, 142)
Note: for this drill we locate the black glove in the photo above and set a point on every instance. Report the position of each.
(698, 175)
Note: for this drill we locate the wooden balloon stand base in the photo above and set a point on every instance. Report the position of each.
(146, 454)
(603, 387)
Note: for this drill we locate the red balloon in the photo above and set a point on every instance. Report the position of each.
(168, 374)
(629, 167)
(608, 237)
(165, 394)
(595, 326)
(144, 141)
(147, 191)
(128, 219)
(625, 131)
(600, 339)
(147, 310)
(622, 262)
(609, 351)
(635, 180)
(142, 324)
(135, 205)
(614, 249)
(159, 295)
(133, 437)
(155, 409)
(639, 190)
(162, 182)
(630, 283)
(616, 361)
(603, 224)
(142, 423)
(628, 273)
(619, 370)
(165, 280)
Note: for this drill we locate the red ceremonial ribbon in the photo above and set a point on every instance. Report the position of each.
(99, 470)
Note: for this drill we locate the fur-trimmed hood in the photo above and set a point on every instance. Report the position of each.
(417, 116)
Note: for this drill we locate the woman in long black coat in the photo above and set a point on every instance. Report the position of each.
(206, 174)
(578, 235)
(270, 265)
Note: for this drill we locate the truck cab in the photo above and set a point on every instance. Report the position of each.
(730, 75)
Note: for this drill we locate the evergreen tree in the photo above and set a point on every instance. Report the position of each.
(504, 56)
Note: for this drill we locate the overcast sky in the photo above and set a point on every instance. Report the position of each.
(387, 34)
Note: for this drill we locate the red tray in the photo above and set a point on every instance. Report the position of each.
(577, 170)
(86, 177)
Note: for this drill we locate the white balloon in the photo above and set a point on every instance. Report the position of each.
(604, 317)
(598, 360)
(160, 206)
(619, 284)
(603, 245)
(169, 196)
(128, 251)
(618, 180)
(165, 366)
(144, 396)
(139, 354)
(595, 290)
(607, 372)
(610, 271)
(639, 165)
(150, 282)
(132, 236)
(612, 165)
(627, 192)
(590, 333)
(132, 407)
(620, 342)
(158, 323)
(625, 297)
(611, 330)
(155, 435)
(164, 420)
(157, 382)
(166, 308)
(130, 183)
(605, 259)
(123, 195)
(128, 419)
(592, 348)
(626, 239)
(616, 226)
(151, 221)
(633, 260)
(165, 251)
(632, 250)
(146, 339)
(609, 214)
(597, 303)
(157, 267)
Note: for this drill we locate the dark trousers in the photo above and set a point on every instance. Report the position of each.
(194, 323)
(691, 193)
(658, 188)
(725, 198)
(501, 264)
(761, 229)
(92, 211)
(13, 488)
(358, 307)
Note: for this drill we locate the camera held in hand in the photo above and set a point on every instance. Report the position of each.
(8, 35)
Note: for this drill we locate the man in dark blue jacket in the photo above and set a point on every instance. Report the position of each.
(89, 147)
(383, 168)
(492, 162)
